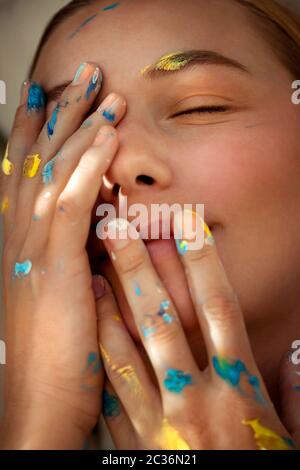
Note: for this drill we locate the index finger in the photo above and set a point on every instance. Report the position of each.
(215, 301)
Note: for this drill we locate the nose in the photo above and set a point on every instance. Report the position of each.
(140, 163)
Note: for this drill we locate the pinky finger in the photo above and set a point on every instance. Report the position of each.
(74, 206)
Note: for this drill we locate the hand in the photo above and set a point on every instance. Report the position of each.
(180, 407)
(53, 373)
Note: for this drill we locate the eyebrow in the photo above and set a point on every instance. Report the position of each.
(169, 63)
(177, 61)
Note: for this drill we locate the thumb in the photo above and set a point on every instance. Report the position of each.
(290, 391)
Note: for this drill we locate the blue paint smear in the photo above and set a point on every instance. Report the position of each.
(163, 311)
(48, 171)
(91, 18)
(137, 289)
(148, 331)
(231, 373)
(164, 305)
(22, 269)
(94, 360)
(82, 25)
(289, 441)
(111, 406)
(182, 246)
(92, 86)
(87, 123)
(177, 380)
(111, 117)
(36, 97)
(91, 358)
(97, 367)
(167, 318)
(111, 7)
(297, 388)
(52, 123)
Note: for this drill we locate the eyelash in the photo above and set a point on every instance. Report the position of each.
(203, 110)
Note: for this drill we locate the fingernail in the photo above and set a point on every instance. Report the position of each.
(191, 232)
(110, 107)
(80, 76)
(95, 83)
(119, 233)
(7, 165)
(87, 71)
(36, 97)
(98, 286)
(23, 92)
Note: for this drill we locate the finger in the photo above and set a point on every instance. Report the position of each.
(117, 421)
(66, 117)
(217, 306)
(58, 170)
(71, 222)
(124, 366)
(154, 314)
(28, 121)
(290, 391)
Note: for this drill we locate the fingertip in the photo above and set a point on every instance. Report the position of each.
(99, 287)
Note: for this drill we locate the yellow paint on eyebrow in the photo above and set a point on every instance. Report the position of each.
(117, 318)
(265, 438)
(7, 166)
(127, 372)
(168, 62)
(170, 438)
(31, 165)
(4, 205)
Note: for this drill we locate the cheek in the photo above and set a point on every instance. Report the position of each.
(239, 168)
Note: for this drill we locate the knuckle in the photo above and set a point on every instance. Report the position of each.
(86, 163)
(199, 255)
(222, 307)
(67, 207)
(119, 371)
(132, 261)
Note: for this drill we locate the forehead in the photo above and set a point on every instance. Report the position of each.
(124, 37)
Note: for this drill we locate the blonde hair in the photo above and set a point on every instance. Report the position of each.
(279, 26)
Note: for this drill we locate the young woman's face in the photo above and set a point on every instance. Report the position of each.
(241, 161)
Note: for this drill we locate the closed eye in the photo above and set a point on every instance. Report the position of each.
(203, 110)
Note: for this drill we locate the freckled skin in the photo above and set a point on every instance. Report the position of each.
(244, 166)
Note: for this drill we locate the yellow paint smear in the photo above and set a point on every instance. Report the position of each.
(31, 165)
(168, 62)
(208, 236)
(4, 205)
(265, 438)
(170, 438)
(7, 166)
(127, 372)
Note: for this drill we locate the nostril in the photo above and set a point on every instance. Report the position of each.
(116, 189)
(144, 179)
